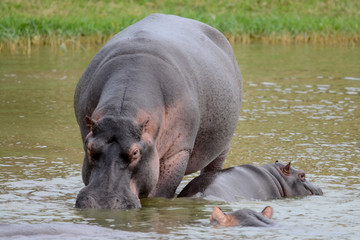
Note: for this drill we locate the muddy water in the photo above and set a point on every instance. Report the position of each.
(301, 104)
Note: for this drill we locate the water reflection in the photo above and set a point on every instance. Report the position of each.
(157, 215)
(301, 104)
(308, 120)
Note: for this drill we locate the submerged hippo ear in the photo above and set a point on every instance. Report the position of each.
(286, 169)
(267, 212)
(89, 123)
(218, 216)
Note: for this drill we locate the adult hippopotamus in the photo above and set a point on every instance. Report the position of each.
(160, 100)
(243, 217)
(269, 181)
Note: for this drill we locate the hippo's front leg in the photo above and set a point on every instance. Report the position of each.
(172, 171)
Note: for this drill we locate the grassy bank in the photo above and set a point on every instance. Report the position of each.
(26, 23)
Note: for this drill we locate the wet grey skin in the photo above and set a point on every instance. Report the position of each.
(160, 100)
(269, 181)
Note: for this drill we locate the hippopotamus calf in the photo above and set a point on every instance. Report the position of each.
(160, 100)
(243, 217)
(269, 181)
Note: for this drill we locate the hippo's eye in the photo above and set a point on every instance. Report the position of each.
(94, 155)
(302, 176)
(134, 154)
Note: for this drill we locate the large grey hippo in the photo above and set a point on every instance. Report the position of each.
(160, 100)
(269, 181)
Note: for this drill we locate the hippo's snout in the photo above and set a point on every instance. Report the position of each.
(88, 200)
(312, 189)
(317, 191)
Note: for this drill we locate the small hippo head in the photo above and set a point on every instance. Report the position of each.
(292, 181)
(243, 217)
(120, 165)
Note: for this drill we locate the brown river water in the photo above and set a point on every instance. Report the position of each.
(301, 104)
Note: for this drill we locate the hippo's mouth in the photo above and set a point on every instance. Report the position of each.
(308, 190)
(313, 190)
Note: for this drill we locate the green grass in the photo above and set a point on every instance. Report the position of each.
(38, 22)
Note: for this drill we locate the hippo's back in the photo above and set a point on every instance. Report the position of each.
(245, 181)
(200, 56)
(187, 37)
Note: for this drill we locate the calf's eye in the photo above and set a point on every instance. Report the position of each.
(302, 176)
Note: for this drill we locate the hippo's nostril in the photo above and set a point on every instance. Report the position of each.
(86, 201)
(120, 202)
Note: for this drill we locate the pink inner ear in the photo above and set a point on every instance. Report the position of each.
(217, 212)
(217, 215)
(267, 212)
(286, 169)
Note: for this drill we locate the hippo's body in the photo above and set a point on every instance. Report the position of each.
(160, 100)
(269, 181)
(243, 217)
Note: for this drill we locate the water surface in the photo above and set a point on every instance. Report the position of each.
(301, 104)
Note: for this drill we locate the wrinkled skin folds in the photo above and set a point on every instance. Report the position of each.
(160, 100)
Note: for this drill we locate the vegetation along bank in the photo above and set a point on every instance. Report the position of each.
(80, 23)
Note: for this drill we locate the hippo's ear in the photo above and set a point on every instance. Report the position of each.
(286, 169)
(89, 123)
(267, 212)
(219, 216)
